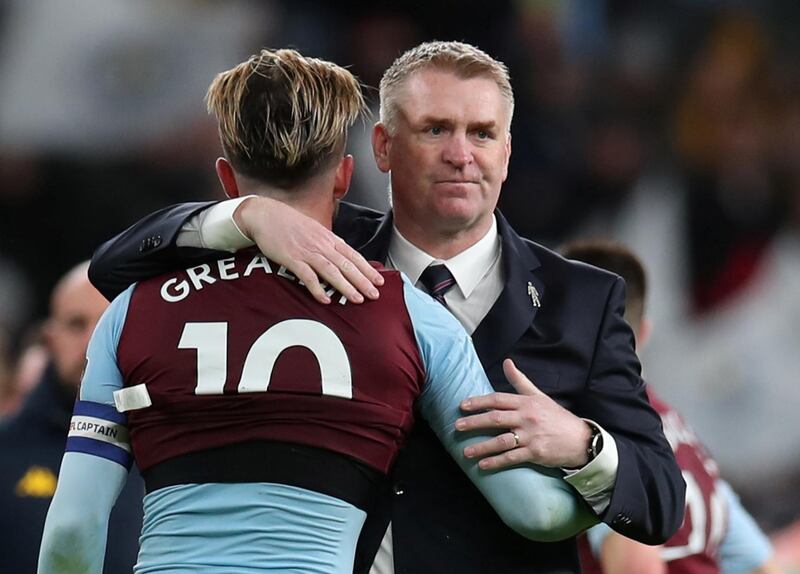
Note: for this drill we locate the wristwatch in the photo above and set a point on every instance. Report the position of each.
(595, 442)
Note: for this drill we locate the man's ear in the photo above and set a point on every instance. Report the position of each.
(381, 145)
(508, 156)
(344, 174)
(227, 177)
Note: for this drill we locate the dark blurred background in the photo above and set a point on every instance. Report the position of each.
(673, 126)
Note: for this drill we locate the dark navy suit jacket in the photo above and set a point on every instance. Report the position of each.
(575, 346)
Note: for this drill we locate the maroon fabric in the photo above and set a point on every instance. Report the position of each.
(703, 528)
(387, 370)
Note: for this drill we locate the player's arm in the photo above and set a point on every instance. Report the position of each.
(535, 502)
(96, 462)
(75, 531)
(745, 548)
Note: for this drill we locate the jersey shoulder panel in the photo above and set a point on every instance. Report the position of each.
(101, 376)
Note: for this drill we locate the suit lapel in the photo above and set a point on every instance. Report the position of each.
(514, 311)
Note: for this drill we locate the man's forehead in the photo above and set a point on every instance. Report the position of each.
(441, 94)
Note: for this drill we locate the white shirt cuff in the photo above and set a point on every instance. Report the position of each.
(595, 481)
(214, 228)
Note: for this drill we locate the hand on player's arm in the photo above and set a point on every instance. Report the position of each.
(549, 435)
(309, 250)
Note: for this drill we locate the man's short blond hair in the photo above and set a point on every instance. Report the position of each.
(283, 117)
(463, 60)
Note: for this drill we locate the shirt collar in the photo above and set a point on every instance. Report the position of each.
(468, 267)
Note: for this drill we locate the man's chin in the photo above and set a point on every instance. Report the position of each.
(456, 221)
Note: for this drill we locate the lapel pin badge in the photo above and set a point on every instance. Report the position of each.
(534, 294)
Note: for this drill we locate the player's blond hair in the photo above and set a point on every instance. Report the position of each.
(463, 60)
(283, 117)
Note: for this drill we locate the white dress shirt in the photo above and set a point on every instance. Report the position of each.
(477, 271)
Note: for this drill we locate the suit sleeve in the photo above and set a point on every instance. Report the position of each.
(146, 249)
(533, 501)
(96, 460)
(647, 502)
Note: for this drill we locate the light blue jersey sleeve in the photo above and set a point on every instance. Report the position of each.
(96, 460)
(745, 546)
(743, 549)
(533, 501)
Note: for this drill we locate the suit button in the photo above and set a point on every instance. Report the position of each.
(149, 243)
(621, 519)
(398, 489)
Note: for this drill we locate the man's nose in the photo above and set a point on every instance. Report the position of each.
(458, 151)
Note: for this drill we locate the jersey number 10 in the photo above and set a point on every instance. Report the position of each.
(211, 342)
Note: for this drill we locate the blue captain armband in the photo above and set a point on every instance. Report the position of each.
(99, 430)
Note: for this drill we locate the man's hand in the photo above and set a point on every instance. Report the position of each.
(307, 249)
(540, 430)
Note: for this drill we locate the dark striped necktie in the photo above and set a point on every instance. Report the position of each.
(437, 279)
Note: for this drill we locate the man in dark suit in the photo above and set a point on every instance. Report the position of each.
(444, 136)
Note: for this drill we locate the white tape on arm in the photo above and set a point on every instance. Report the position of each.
(132, 398)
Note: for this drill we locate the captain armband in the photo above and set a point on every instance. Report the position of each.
(99, 430)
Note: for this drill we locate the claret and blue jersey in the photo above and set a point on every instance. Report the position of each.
(262, 420)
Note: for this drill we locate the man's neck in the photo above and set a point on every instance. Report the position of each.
(315, 201)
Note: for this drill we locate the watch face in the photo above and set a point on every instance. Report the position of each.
(596, 444)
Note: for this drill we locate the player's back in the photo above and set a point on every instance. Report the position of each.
(265, 414)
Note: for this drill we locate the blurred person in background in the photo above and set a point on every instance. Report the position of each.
(32, 440)
(713, 217)
(31, 362)
(717, 534)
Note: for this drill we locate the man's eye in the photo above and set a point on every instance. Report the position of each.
(483, 134)
(435, 130)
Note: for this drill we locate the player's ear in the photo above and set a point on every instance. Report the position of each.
(227, 177)
(381, 144)
(344, 173)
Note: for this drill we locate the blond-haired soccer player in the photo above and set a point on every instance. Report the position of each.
(263, 422)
